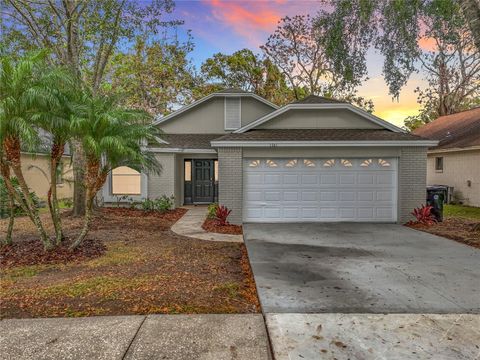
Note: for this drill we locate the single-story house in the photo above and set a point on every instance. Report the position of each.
(316, 159)
(36, 169)
(455, 161)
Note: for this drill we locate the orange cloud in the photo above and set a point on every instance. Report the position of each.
(248, 19)
(427, 44)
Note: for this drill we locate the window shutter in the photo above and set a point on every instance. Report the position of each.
(232, 113)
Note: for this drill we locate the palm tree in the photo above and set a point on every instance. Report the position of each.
(111, 137)
(26, 88)
(56, 120)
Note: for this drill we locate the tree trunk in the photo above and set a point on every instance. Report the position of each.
(87, 222)
(471, 13)
(31, 208)
(8, 237)
(79, 164)
(12, 154)
(56, 155)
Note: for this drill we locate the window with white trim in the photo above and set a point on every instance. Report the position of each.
(233, 118)
(126, 181)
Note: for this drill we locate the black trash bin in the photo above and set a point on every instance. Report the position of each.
(436, 196)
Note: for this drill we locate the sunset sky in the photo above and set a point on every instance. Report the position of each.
(229, 25)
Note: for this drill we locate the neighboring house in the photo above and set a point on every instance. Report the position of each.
(36, 169)
(317, 159)
(456, 160)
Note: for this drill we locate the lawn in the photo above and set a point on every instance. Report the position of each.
(145, 269)
(460, 211)
(460, 223)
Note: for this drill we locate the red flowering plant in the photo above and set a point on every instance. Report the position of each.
(221, 215)
(424, 215)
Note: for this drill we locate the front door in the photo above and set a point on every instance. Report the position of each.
(203, 181)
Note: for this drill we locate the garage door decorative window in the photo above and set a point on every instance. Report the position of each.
(308, 163)
(329, 163)
(366, 163)
(346, 163)
(291, 163)
(272, 164)
(383, 163)
(254, 163)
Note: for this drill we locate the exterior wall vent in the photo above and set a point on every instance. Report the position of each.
(233, 113)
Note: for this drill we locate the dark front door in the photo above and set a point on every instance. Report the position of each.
(203, 181)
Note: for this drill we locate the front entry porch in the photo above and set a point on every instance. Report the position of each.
(200, 180)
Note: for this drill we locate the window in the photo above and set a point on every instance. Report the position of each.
(271, 163)
(329, 163)
(254, 163)
(383, 163)
(126, 181)
(291, 163)
(366, 163)
(188, 170)
(308, 163)
(232, 113)
(215, 168)
(346, 163)
(439, 164)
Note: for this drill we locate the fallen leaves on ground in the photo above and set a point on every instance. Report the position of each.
(211, 225)
(458, 229)
(145, 269)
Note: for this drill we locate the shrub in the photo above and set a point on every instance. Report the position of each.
(221, 215)
(161, 204)
(18, 211)
(164, 203)
(424, 216)
(148, 205)
(212, 211)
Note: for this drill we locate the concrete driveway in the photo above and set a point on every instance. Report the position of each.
(361, 268)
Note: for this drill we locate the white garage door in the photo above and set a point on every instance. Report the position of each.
(298, 189)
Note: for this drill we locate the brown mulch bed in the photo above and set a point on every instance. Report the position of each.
(211, 225)
(170, 215)
(31, 252)
(145, 269)
(461, 230)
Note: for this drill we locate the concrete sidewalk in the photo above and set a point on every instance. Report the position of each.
(191, 225)
(375, 336)
(205, 336)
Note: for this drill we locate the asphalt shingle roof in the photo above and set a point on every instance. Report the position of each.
(319, 135)
(232, 91)
(314, 99)
(458, 130)
(188, 141)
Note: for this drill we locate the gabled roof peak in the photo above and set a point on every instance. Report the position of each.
(315, 99)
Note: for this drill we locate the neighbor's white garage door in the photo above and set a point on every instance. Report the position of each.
(297, 189)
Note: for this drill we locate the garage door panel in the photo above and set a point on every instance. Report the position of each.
(254, 195)
(272, 179)
(291, 179)
(308, 196)
(321, 190)
(347, 179)
(309, 179)
(291, 212)
(309, 213)
(273, 195)
(328, 195)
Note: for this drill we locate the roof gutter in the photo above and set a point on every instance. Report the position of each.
(420, 143)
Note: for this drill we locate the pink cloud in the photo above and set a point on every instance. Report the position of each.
(251, 20)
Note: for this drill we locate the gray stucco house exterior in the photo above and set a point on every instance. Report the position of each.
(316, 159)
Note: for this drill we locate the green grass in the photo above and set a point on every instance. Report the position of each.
(460, 211)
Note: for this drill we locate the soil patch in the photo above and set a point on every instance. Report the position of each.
(458, 229)
(145, 269)
(211, 225)
(31, 252)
